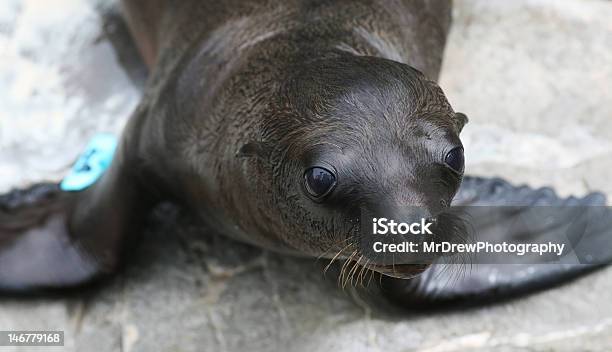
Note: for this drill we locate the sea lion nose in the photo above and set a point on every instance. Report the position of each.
(403, 214)
(393, 236)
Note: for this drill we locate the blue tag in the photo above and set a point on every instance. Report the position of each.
(96, 158)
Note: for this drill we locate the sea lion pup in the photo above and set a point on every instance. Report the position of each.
(272, 121)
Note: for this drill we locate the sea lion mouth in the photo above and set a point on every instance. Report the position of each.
(448, 226)
(399, 271)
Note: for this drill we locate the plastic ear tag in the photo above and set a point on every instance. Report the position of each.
(96, 158)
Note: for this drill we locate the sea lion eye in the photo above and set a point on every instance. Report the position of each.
(455, 160)
(319, 181)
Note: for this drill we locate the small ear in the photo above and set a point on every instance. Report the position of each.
(460, 120)
(254, 149)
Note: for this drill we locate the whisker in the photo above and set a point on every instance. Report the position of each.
(364, 271)
(336, 256)
(346, 266)
(356, 266)
(330, 248)
(372, 273)
(345, 270)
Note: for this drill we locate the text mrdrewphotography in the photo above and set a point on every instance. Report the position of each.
(388, 244)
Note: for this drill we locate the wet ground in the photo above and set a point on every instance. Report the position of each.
(534, 78)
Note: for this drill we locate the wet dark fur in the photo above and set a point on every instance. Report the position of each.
(280, 80)
(243, 97)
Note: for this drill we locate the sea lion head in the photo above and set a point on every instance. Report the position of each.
(355, 133)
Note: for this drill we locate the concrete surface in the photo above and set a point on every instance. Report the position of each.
(534, 77)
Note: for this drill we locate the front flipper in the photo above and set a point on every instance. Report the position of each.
(50, 238)
(35, 247)
(444, 284)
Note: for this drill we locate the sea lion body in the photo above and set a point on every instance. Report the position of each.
(222, 65)
(278, 122)
(411, 32)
